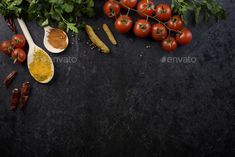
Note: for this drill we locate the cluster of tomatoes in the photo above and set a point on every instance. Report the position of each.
(167, 24)
(15, 48)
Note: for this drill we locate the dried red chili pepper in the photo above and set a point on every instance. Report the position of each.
(10, 23)
(24, 97)
(14, 99)
(8, 79)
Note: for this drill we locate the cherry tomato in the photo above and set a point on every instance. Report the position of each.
(123, 23)
(142, 28)
(128, 3)
(169, 44)
(175, 23)
(18, 41)
(6, 47)
(111, 9)
(159, 32)
(18, 55)
(145, 7)
(185, 37)
(163, 12)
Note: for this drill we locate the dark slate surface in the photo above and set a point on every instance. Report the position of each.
(128, 103)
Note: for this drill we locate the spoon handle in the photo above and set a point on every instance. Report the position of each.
(25, 31)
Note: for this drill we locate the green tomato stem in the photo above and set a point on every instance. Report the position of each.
(152, 17)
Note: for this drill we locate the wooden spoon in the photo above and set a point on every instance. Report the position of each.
(31, 52)
(46, 43)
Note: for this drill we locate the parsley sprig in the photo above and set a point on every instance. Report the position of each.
(68, 14)
(207, 8)
(11, 7)
(60, 13)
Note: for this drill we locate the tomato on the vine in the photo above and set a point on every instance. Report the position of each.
(185, 37)
(128, 3)
(18, 55)
(159, 32)
(169, 44)
(123, 23)
(163, 12)
(111, 9)
(142, 28)
(145, 7)
(6, 47)
(18, 41)
(175, 23)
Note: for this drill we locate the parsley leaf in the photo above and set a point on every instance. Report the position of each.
(58, 13)
(207, 8)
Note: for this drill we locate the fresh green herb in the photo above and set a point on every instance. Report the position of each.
(60, 13)
(207, 8)
(9, 7)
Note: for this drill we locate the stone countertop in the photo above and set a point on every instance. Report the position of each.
(134, 102)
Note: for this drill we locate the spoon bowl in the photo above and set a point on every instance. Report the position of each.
(30, 59)
(48, 46)
(32, 50)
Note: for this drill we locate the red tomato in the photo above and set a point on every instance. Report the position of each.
(142, 28)
(185, 37)
(18, 55)
(175, 23)
(163, 12)
(159, 32)
(111, 9)
(169, 44)
(6, 47)
(128, 3)
(123, 23)
(18, 41)
(145, 8)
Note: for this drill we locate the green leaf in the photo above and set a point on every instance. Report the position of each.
(58, 13)
(45, 23)
(72, 27)
(207, 15)
(210, 8)
(67, 7)
(197, 13)
(172, 3)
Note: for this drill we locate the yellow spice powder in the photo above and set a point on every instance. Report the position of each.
(41, 67)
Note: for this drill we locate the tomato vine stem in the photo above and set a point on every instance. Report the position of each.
(152, 17)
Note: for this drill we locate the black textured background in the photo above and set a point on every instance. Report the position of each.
(128, 103)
